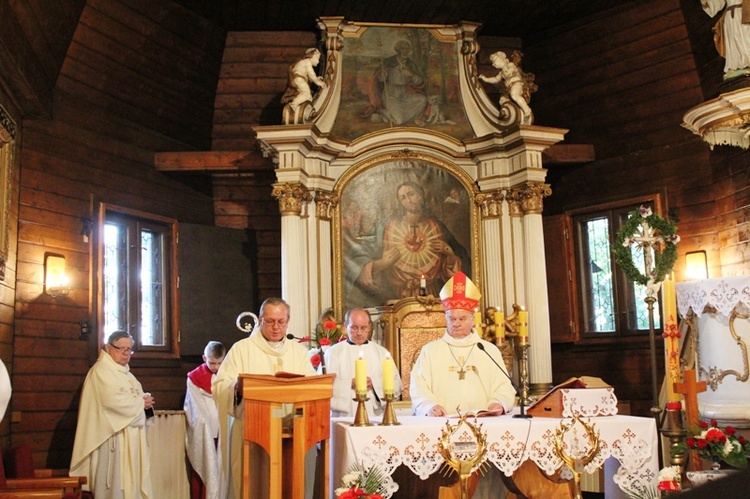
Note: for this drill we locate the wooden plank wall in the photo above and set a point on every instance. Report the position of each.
(253, 77)
(139, 77)
(622, 82)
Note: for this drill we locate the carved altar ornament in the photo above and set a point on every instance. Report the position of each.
(579, 457)
(325, 203)
(465, 454)
(298, 96)
(491, 203)
(517, 88)
(514, 198)
(532, 196)
(291, 198)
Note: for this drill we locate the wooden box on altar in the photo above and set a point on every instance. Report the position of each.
(585, 396)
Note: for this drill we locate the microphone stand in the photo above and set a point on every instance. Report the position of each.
(521, 414)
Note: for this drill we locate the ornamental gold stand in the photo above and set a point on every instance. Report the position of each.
(389, 414)
(360, 417)
(576, 463)
(475, 451)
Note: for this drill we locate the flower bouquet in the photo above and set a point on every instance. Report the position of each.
(360, 483)
(715, 444)
(326, 333)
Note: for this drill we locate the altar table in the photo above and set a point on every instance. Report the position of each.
(632, 441)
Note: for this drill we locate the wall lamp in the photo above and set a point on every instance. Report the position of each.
(56, 283)
(696, 265)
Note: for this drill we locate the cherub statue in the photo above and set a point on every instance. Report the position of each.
(298, 94)
(731, 35)
(518, 85)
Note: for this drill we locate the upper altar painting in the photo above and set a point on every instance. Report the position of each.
(400, 77)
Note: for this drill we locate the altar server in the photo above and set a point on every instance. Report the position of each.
(340, 359)
(202, 416)
(110, 447)
(266, 351)
(451, 372)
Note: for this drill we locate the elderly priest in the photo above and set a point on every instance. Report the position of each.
(452, 372)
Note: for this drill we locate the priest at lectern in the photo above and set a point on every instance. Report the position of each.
(265, 351)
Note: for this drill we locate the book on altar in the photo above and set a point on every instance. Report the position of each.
(586, 396)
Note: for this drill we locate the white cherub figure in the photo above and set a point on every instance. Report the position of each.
(518, 85)
(298, 92)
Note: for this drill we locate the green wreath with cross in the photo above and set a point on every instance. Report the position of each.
(642, 224)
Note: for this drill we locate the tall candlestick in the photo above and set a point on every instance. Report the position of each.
(671, 338)
(389, 376)
(523, 325)
(360, 375)
(500, 326)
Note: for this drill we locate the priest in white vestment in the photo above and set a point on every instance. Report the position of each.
(339, 359)
(266, 351)
(110, 447)
(452, 373)
(202, 416)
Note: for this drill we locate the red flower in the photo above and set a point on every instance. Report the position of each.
(304, 339)
(668, 485)
(741, 440)
(702, 443)
(324, 342)
(349, 494)
(703, 425)
(690, 442)
(714, 423)
(375, 496)
(329, 324)
(714, 435)
(729, 430)
(315, 360)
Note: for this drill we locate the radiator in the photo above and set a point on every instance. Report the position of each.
(166, 442)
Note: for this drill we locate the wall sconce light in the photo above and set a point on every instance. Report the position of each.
(56, 283)
(696, 265)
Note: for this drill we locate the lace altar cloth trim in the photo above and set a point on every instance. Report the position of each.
(630, 440)
(723, 293)
(588, 402)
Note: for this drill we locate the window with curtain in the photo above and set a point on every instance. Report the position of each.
(137, 279)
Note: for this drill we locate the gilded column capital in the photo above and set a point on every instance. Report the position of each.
(292, 198)
(532, 196)
(490, 203)
(325, 203)
(514, 197)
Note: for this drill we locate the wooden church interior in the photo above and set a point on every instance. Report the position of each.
(145, 109)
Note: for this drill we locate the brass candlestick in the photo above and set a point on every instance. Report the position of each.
(389, 414)
(676, 433)
(361, 418)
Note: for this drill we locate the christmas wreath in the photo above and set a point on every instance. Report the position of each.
(646, 223)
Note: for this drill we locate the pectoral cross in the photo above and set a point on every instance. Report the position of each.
(461, 370)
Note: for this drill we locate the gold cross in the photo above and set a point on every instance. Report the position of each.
(462, 370)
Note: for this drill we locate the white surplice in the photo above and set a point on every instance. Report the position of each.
(202, 417)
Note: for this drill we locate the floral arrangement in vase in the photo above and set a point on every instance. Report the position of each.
(361, 483)
(715, 444)
(669, 480)
(326, 333)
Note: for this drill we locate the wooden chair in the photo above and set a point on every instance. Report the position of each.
(25, 481)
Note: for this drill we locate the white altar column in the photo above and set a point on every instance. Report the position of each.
(493, 276)
(321, 268)
(537, 304)
(516, 285)
(293, 199)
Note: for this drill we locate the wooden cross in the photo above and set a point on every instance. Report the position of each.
(690, 388)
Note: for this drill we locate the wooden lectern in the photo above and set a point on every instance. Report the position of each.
(263, 396)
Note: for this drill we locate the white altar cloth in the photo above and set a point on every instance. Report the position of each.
(723, 293)
(632, 441)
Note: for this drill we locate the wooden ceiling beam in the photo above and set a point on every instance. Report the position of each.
(559, 154)
(210, 162)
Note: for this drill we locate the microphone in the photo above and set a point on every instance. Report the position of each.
(290, 336)
(522, 414)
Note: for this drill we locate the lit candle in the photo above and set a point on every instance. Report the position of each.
(671, 338)
(360, 375)
(523, 326)
(422, 283)
(389, 376)
(500, 326)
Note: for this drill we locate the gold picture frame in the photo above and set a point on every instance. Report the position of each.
(7, 145)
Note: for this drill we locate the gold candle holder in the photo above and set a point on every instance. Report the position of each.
(524, 368)
(676, 433)
(360, 417)
(389, 414)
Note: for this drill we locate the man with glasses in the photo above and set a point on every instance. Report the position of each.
(110, 447)
(340, 358)
(266, 351)
(452, 372)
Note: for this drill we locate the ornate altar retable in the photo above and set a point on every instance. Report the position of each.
(632, 441)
